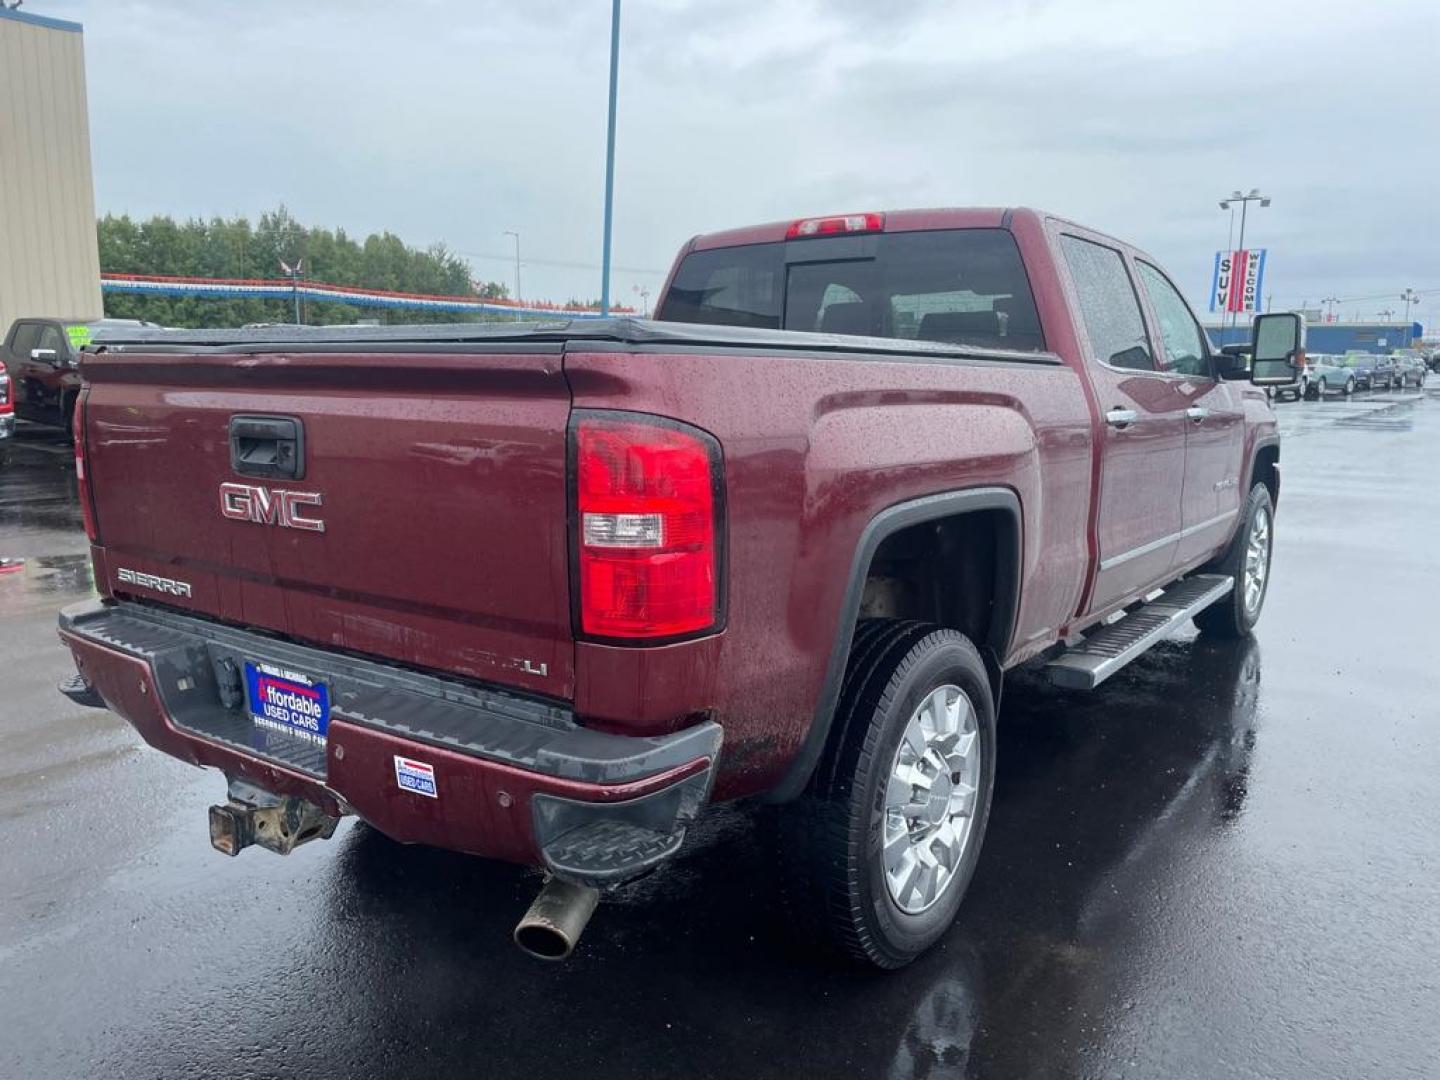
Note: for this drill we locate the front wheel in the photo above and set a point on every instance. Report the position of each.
(1247, 561)
(880, 851)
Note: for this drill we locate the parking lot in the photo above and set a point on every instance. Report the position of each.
(1224, 863)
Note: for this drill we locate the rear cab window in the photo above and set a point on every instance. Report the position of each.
(960, 286)
(26, 336)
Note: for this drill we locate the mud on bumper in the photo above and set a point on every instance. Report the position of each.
(516, 778)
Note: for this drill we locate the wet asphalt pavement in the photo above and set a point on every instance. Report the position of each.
(1225, 863)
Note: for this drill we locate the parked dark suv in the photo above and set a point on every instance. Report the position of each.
(1385, 373)
(41, 356)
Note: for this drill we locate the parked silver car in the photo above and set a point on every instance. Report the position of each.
(1326, 374)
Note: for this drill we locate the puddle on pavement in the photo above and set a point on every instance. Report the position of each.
(23, 580)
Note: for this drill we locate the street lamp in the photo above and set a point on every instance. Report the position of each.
(1410, 296)
(1244, 200)
(516, 235)
(293, 273)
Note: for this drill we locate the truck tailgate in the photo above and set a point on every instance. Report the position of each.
(438, 478)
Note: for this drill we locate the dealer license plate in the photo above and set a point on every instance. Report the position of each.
(288, 702)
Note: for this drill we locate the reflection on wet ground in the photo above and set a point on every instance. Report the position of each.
(1221, 864)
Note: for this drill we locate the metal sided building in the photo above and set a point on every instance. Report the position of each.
(1332, 338)
(49, 254)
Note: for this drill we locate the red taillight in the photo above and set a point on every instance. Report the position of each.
(829, 226)
(5, 405)
(82, 481)
(648, 521)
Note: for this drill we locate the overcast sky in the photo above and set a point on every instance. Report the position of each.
(454, 120)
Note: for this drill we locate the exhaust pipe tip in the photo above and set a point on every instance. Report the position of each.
(552, 927)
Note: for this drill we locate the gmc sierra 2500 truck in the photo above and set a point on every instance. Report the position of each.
(543, 592)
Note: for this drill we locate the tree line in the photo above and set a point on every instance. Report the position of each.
(234, 248)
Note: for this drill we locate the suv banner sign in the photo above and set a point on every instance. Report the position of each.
(1237, 280)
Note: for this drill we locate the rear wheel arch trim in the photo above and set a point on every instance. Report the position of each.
(883, 525)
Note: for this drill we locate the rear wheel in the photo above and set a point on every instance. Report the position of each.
(882, 847)
(1247, 561)
(1349, 386)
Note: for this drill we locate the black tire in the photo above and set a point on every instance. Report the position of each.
(1230, 618)
(1320, 389)
(830, 840)
(1349, 387)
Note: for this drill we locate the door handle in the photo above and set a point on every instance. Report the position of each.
(1121, 418)
(1197, 413)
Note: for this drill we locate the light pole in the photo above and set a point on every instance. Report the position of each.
(1410, 296)
(1330, 302)
(294, 274)
(1244, 201)
(516, 235)
(610, 155)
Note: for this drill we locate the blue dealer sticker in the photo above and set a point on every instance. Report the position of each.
(288, 702)
(416, 776)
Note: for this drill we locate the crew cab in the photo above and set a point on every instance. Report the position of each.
(544, 592)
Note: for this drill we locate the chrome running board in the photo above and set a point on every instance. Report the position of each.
(1110, 648)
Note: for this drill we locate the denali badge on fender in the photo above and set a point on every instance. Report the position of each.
(270, 506)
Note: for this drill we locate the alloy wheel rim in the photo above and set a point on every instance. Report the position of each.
(1257, 561)
(931, 799)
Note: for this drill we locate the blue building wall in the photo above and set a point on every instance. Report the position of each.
(1336, 337)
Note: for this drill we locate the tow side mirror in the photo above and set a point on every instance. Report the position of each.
(44, 355)
(1278, 348)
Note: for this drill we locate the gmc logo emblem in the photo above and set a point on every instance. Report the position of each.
(270, 506)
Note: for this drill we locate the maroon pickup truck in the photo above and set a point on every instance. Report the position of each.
(543, 592)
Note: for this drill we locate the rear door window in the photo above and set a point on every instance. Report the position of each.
(1109, 307)
(962, 286)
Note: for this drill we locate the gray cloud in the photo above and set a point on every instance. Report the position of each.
(453, 121)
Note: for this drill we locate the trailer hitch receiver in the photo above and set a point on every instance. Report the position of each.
(276, 822)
